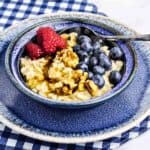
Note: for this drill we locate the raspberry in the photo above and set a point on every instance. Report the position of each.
(49, 40)
(49, 46)
(61, 43)
(33, 50)
(44, 34)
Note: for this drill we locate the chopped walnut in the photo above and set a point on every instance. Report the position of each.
(69, 58)
(92, 87)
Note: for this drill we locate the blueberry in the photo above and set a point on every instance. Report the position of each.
(98, 70)
(115, 77)
(83, 55)
(93, 61)
(96, 45)
(102, 54)
(98, 79)
(90, 53)
(86, 31)
(86, 46)
(79, 52)
(83, 38)
(104, 61)
(116, 53)
(76, 48)
(90, 74)
(95, 80)
(86, 60)
(82, 66)
(97, 52)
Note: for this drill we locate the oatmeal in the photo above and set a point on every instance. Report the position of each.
(72, 68)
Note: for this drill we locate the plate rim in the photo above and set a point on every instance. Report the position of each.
(70, 140)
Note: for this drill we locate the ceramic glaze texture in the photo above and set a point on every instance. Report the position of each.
(76, 121)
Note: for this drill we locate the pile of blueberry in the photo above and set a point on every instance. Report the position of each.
(94, 61)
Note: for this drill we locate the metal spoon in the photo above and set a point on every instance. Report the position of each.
(94, 35)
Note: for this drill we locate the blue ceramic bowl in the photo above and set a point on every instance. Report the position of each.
(15, 50)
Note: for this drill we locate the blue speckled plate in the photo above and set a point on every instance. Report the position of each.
(107, 120)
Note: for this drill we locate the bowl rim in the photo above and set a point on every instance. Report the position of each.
(57, 103)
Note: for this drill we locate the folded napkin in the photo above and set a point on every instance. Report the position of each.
(12, 11)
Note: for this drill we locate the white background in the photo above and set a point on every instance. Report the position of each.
(136, 14)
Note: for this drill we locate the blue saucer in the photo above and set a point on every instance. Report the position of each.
(110, 114)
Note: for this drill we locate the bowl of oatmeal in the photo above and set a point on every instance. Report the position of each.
(69, 70)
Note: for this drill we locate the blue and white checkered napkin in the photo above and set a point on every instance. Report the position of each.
(11, 11)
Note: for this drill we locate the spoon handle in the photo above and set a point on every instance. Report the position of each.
(145, 37)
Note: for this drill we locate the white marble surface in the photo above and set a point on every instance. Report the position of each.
(136, 14)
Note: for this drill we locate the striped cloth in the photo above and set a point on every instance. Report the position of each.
(12, 11)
